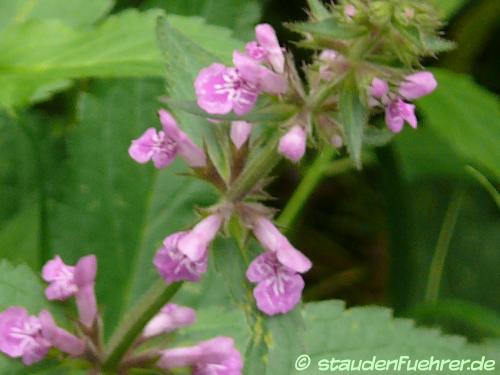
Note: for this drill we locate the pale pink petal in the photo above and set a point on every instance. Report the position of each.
(293, 144)
(418, 85)
(240, 132)
(196, 242)
(266, 37)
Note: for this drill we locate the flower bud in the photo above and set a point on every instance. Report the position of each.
(293, 144)
(418, 85)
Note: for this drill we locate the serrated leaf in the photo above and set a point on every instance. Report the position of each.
(45, 54)
(353, 115)
(361, 333)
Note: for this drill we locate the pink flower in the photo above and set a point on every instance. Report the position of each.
(79, 281)
(60, 338)
(279, 288)
(256, 51)
(293, 144)
(417, 85)
(268, 41)
(196, 242)
(162, 147)
(60, 278)
(174, 266)
(217, 356)
(397, 112)
(240, 132)
(379, 88)
(170, 318)
(220, 90)
(21, 336)
(262, 78)
(350, 11)
(327, 58)
(272, 240)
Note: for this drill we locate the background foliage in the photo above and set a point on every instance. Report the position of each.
(78, 82)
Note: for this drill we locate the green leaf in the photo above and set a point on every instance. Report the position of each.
(113, 207)
(71, 12)
(467, 118)
(237, 15)
(19, 286)
(45, 52)
(318, 10)
(353, 115)
(19, 244)
(361, 333)
(44, 55)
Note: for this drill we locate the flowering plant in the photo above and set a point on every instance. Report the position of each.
(213, 284)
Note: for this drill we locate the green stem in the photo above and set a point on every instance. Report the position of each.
(442, 246)
(256, 169)
(133, 323)
(312, 178)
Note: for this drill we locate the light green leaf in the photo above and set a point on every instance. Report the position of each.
(71, 12)
(361, 333)
(44, 55)
(353, 115)
(467, 118)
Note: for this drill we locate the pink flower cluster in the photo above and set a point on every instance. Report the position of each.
(217, 356)
(184, 256)
(260, 68)
(31, 337)
(397, 111)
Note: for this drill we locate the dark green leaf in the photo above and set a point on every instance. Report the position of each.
(467, 118)
(353, 115)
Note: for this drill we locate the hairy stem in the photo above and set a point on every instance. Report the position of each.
(439, 258)
(255, 170)
(133, 323)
